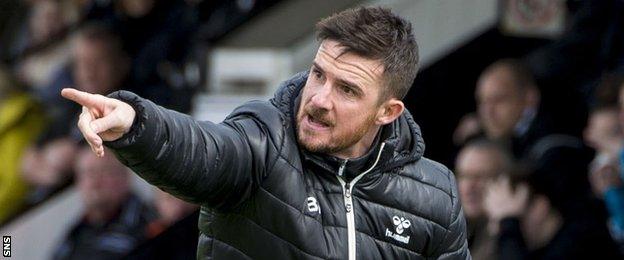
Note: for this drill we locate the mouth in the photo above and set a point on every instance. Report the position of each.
(316, 123)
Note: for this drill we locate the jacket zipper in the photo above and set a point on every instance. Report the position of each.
(348, 200)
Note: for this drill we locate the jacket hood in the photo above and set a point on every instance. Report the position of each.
(403, 139)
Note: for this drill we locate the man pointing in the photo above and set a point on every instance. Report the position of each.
(330, 168)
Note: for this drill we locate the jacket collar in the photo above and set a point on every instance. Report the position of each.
(403, 139)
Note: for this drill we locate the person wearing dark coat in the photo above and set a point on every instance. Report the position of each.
(331, 168)
(544, 209)
(114, 220)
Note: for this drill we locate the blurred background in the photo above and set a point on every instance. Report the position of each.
(522, 98)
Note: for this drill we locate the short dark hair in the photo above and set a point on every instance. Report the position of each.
(377, 33)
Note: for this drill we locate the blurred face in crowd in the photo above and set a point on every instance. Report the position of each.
(136, 8)
(46, 20)
(97, 68)
(170, 208)
(500, 102)
(475, 167)
(603, 129)
(340, 110)
(103, 182)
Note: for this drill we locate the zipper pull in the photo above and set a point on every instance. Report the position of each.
(348, 190)
(342, 167)
(348, 201)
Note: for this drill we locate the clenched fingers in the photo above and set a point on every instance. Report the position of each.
(104, 123)
(84, 124)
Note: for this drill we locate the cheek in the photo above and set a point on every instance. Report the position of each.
(468, 187)
(506, 112)
(349, 120)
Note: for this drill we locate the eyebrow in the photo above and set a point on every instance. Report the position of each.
(339, 80)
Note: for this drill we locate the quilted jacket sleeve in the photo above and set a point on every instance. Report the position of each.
(454, 245)
(217, 165)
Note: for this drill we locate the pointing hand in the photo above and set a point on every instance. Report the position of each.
(102, 118)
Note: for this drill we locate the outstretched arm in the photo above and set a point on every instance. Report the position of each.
(202, 162)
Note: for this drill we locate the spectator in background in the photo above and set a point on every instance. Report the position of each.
(508, 102)
(157, 36)
(47, 23)
(528, 212)
(507, 99)
(511, 110)
(605, 135)
(21, 120)
(170, 210)
(114, 220)
(479, 163)
(31, 25)
(508, 105)
(174, 234)
(98, 65)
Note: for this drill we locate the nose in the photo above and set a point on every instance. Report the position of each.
(321, 97)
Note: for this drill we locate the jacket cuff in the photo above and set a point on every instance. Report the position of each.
(138, 129)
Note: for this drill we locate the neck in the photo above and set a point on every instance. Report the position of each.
(360, 148)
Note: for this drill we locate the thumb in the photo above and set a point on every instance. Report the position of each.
(105, 123)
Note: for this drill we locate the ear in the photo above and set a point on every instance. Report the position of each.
(389, 111)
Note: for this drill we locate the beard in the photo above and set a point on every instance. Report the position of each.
(338, 138)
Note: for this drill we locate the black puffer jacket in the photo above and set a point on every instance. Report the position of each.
(263, 198)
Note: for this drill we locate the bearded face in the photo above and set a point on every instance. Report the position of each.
(339, 103)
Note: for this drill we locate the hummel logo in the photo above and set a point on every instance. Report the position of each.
(400, 224)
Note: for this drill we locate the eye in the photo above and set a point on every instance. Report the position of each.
(317, 74)
(347, 90)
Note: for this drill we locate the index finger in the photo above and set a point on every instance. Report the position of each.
(80, 97)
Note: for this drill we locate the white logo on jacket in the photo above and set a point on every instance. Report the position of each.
(400, 224)
(313, 205)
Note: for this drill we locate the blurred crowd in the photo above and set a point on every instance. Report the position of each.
(540, 166)
(532, 189)
(149, 47)
(94, 46)
(116, 223)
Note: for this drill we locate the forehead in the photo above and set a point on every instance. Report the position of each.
(498, 82)
(92, 47)
(605, 117)
(333, 57)
(88, 162)
(478, 160)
